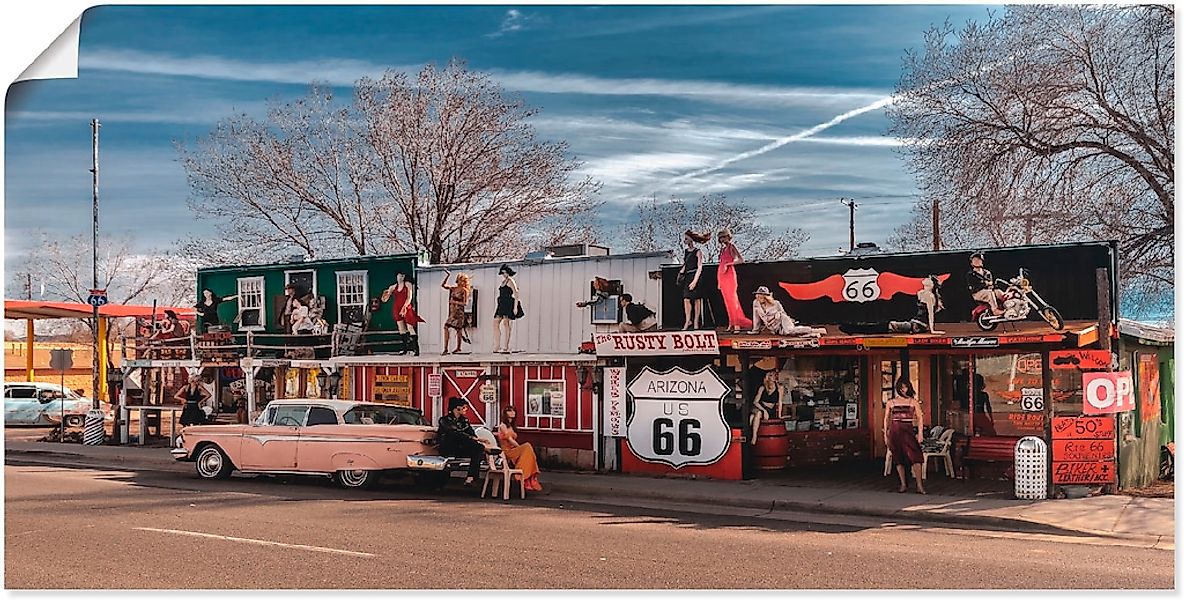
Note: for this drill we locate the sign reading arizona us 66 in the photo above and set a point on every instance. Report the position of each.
(678, 417)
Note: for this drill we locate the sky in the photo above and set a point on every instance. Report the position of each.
(780, 107)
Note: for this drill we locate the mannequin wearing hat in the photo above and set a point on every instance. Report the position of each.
(729, 255)
(981, 284)
(688, 279)
(768, 315)
(509, 308)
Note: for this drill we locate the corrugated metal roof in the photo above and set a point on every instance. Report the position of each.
(1163, 333)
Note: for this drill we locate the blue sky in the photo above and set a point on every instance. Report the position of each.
(664, 100)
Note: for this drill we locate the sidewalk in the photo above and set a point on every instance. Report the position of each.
(1118, 516)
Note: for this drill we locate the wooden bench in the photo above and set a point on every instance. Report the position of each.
(990, 449)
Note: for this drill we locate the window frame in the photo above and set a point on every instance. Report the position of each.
(365, 300)
(262, 308)
(615, 306)
(288, 278)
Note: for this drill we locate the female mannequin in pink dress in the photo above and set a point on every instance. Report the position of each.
(729, 255)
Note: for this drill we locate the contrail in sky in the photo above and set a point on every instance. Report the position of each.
(775, 144)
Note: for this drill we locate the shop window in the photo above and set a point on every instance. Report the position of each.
(1008, 394)
(823, 393)
(352, 290)
(250, 303)
(1067, 393)
(546, 398)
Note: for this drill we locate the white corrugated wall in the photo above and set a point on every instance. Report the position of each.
(549, 290)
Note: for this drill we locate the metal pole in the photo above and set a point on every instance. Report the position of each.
(94, 125)
(936, 224)
(851, 205)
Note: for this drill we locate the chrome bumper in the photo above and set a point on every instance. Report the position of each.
(421, 462)
(179, 453)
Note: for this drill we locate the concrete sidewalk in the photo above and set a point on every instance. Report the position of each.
(1146, 519)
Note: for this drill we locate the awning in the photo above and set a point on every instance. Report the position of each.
(36, 309)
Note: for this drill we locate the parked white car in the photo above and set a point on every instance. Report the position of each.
(38, 403)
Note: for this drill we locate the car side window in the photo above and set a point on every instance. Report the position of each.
(319, 415)
(20, 392)
(290, 415)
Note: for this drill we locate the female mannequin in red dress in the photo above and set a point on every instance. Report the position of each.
(729, 255)
(404, 313)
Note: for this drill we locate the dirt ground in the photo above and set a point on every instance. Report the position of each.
(1159, 489)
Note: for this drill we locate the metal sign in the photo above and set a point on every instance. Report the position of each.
(614, 402)
(975, 342)
(1082, 473)
(489, 392)
(1083, 450)
(435, 385)
(1083, 428)
(1032, 399)
(1107, 393)
(97, 297)
(1085, 360)
(61, 359)
(670, 343)
(678, 417)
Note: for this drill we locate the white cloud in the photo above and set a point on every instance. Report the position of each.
(344, 72)
(514, 22)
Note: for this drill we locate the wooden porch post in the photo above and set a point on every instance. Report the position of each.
(29, 348)
(102, 391)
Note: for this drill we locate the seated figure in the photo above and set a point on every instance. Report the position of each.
(457, 438)
(768, 315)
(521, 456)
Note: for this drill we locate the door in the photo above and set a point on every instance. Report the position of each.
(271, 446)
(22, 405)
(319, 439)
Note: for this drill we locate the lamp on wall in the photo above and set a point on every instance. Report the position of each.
(321, 380)
(334, 384)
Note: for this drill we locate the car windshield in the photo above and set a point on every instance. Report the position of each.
(377, 414)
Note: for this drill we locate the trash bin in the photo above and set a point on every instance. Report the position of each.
(1031, 468)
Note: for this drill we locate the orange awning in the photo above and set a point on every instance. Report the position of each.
(36, 309)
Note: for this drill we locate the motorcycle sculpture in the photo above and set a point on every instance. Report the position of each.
(1017, 302)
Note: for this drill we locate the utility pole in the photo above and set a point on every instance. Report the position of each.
(936, 224)
(94, 126)
(850, 203)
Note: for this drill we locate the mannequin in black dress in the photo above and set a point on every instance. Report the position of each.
(509, 308)
(207, 308)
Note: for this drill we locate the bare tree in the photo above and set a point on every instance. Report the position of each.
(1047, 124)
(660, 226)
(443, 161)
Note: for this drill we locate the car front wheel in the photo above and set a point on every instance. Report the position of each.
(212, 463)
(355, 479)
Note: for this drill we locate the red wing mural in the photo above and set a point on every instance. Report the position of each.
(857, 285)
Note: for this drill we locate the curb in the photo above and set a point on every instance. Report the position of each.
(992, 521)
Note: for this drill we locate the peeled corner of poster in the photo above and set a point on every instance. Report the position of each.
(59, 60)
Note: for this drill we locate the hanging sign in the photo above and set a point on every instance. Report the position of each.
(488, 392)
(1082, 473)
(614, 402)
(392, 389)
(1108, 393)
(858, 285)
(656, 344)
(467, 373)
(435, 385)
(678, 417)
(1083, 428)
(1085, 360)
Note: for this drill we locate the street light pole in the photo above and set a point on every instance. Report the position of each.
(94, 125)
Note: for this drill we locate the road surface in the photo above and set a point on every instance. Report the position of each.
(83, 528)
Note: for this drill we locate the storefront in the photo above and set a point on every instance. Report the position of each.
(987, 383)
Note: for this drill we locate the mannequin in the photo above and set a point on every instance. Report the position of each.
(688, 279)
(458, 300)
(207, 308)
(403, 292)
(509, 308)
(729, 256)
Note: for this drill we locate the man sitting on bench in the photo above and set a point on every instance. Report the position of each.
(457, 438)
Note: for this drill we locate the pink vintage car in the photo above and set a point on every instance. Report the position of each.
(352, 442)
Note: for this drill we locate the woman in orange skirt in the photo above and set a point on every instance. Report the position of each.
(520, 455)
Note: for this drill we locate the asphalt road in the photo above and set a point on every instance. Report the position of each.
(84, 528)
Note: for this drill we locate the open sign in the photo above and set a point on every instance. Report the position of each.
(1107, 393)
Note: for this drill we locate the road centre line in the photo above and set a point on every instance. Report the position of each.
(259, 542)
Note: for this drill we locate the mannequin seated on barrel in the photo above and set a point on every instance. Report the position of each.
(766, 405)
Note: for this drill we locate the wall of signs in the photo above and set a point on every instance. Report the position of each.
(1083, 450)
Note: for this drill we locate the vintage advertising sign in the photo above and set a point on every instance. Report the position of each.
(1082, 450)
(857, 285)
(885, 342)
(1082, 473)
(975, 342)
(1085, 360)
(467, 373)
(665, 343)
(1148, 387)
(393, 389)
(752, 344)
(435, 385)
(614, 402)
(1082, 428)
(1032, 399)
(1108, 393)
(678, 417)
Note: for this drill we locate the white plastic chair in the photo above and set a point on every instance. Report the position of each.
(503, 474)
(943, 452)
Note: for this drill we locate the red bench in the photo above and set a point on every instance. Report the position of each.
(991, 449)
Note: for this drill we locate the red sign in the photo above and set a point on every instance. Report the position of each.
(1082, 473)
(656, 344)
(857, 285)
(1082, 428)
(1148, 387)
(1108, 393)
(1085, 360)
(1082, 450)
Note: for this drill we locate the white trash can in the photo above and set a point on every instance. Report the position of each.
(1031, 469)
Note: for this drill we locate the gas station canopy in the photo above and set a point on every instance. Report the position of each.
(36, 309)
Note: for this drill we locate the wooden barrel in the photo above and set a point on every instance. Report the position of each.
(772, 445)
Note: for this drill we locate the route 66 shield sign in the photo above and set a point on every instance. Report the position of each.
(678, 417)
(861, 285)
